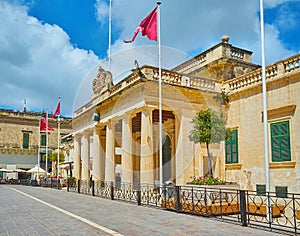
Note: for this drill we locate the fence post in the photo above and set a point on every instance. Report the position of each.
(139, 196)
(112, 190)
(68, 185)
(243, 207)
(93, 187)
(177, 196)
(51, 183)
(78, 186)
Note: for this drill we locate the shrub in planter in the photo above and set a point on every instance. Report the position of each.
(205, 180)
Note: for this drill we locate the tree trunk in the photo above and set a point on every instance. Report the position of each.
(209, 160)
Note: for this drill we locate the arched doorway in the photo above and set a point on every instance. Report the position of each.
(167, 156)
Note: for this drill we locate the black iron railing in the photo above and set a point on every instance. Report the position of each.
(277, 213)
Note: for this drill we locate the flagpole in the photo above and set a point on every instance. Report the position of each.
(265, 116)
(109, 36)
(160, 96)
(46, 164)
(39, 151)
(58, 143)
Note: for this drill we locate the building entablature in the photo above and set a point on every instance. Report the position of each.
(149, 74)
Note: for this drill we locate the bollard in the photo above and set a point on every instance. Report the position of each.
(78, 186)
(243, 207)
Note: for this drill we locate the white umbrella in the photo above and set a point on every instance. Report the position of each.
(5, 170)
(20, 170)
(36, 169)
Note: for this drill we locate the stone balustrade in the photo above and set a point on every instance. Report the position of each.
(273, 72)
(194, 62)
(236, 54)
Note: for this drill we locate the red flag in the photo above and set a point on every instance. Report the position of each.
(43, 125)
(148, 27)
(57, 111)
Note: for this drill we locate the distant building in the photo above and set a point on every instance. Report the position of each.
(116, 133)
(19, 137)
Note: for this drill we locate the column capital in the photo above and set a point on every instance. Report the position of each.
(147, 109)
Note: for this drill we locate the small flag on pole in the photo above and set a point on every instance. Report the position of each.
(148, 27)
(43, 124)
(57, 111)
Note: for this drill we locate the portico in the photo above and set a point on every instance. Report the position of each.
(125, 140)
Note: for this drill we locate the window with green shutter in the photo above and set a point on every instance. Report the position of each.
(25, 140)
(281, 191)
(280, 141)
(231, 146)
(261, 189)
(43, 140)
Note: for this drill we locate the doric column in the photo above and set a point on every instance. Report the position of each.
(127, 162)
(85, 157)
(77, 162)
(96, 156)
(147, 165)
(110, 153)
(184, 150)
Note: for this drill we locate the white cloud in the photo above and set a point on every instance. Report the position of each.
(195, 26)
(274, 3)
(38, 62)
(102, 10)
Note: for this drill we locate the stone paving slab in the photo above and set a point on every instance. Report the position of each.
(23, 215)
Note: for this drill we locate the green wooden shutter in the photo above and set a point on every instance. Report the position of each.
(232, 148)
(26, 140)
(43, 140)
(280, 141)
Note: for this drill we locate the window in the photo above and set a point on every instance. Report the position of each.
(26, 140)
(281, 191)
(261, 190)
(232, 148)
(43, 140)
(280, 141)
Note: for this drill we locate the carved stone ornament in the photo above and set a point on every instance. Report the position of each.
(103, 82)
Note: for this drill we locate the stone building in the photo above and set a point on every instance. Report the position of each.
(19, 136)
(116, 133)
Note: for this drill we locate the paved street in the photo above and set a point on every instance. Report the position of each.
(34, 211)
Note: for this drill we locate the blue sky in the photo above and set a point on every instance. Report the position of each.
(51, 48)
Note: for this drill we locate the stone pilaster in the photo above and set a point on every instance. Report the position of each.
(184, 152)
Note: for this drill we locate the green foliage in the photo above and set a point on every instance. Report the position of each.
(224, 96)
(205, 180)
(209, 127)
(53, 157)
(71, 181)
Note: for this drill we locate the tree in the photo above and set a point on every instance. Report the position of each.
(208, 127)
(53, 157)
